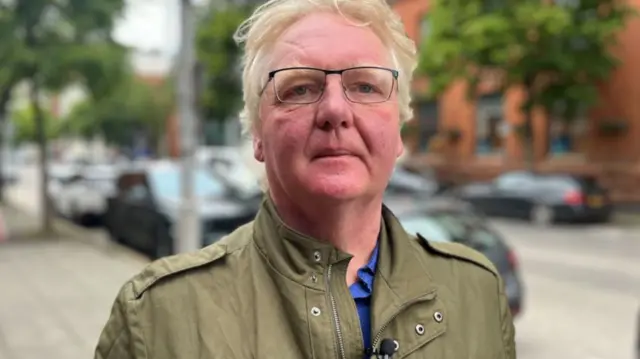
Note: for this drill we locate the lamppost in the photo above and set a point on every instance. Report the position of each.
(188, 236)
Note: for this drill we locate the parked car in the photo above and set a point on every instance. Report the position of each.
(541, 198)
(444, 219)
(145, 207)
(228, 164)
(81, 196)
(403, 181)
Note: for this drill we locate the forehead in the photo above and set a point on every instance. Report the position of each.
(328, 41)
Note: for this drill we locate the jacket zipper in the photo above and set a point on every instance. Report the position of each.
(378, 336)
(336, 318)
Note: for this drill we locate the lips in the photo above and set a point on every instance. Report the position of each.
(333, 153)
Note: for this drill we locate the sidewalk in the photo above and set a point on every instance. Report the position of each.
(56, 292)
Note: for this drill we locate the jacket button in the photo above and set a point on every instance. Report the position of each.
(317, 256)
(420, 329)
(437, 316)
(314, 278)
(396, 345)
(315, 311)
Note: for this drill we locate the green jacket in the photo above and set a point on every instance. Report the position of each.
(266, 291)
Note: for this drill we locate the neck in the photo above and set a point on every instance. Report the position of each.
(352, 227)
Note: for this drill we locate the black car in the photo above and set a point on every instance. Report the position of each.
(448, 220)
(403, 181)
(540, 198)
(142, 213)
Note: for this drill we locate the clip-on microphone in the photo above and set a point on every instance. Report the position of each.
(385, 351)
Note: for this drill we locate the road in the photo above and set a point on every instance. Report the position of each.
(583, 290)
(582, 282)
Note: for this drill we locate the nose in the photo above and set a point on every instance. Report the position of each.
(334, 110)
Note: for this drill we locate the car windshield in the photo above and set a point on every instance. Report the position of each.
(465, 228)
(240, 176)
(166, 183)
(404, 179)
(427, 227)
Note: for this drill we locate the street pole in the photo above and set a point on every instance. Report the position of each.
(188, 237)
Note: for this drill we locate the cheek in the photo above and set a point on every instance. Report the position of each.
(381, 132)
(283, 135)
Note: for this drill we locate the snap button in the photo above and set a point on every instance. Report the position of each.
(437, 316)
(314, 278)
(315, 311)
(317, 256)
(420, 329)
(396, 345)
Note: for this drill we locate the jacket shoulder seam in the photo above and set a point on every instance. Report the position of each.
(460, 252)
(158, 270)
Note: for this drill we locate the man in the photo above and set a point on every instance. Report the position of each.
(324, 271)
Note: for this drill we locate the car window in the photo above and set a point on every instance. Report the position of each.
(467, 228)
(427, 227)
(404, 180)
(511, 181)
(558, 183)
(461, 227)
(166, 183)
(138, 193)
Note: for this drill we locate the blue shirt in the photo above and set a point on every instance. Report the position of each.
(361, 291)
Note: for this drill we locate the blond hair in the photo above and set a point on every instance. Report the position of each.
(261, 30)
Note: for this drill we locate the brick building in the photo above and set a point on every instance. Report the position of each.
(605, 143)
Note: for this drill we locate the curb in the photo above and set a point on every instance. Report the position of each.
(66, 230)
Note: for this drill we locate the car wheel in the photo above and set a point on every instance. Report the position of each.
(541, 215)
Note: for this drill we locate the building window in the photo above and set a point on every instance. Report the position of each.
(566, 137)
(490, 125)
(427, 123)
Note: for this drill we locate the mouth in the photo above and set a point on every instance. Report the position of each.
(333, 153)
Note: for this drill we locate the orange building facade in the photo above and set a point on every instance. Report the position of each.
(482, 139)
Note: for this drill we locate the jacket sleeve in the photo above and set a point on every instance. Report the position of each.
(122, 337)
(506, 321)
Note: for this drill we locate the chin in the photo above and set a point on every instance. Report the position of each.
(336, 187)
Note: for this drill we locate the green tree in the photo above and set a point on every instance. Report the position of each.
(51, 44)
(25, 125)
(557, 53)
(219, 58)
(134, 106)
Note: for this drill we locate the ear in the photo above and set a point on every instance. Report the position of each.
(258, 153)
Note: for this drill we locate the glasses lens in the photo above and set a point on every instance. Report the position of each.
(299, 86)
(368, 85)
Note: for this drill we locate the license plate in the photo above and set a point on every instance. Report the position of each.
(595, 201)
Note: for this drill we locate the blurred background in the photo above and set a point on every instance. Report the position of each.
(120, 144)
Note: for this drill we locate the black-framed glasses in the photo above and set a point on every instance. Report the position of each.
(305, 85)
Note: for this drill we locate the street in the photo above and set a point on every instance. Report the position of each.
(582, 291)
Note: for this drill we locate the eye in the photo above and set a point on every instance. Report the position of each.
(366, 88)
(299, 90)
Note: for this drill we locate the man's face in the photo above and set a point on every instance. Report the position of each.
(333, 148)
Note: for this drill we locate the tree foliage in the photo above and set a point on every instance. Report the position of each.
(219, 57)
(134, 107)
(558, 52)
(25, 125)
(54, 43)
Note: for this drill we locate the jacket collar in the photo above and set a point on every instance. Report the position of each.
(401, 274)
